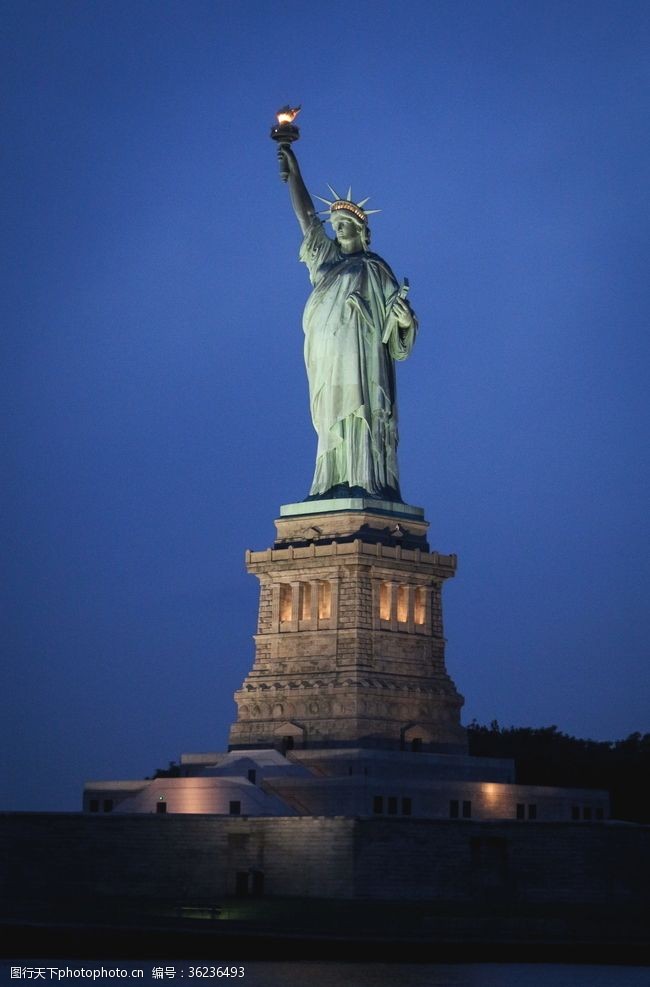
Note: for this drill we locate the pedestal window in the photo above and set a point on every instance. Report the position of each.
(305, 601)
(420, 606)
(285, 602)
(324, 600)
(402, 604)
(384, 601)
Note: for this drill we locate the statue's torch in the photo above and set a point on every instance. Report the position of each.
(285, 132)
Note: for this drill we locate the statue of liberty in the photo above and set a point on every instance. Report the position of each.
(357, 322)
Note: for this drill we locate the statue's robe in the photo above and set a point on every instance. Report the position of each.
(351, 341)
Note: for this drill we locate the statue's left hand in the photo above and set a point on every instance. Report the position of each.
(403, 313)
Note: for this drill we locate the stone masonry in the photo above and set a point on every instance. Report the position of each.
(48, 859)
(349, 643)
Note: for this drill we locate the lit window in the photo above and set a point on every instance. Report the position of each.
(420, 605)
(324, 600)
(402, 604)
(285, 602)
(384, 601)
(305, 601)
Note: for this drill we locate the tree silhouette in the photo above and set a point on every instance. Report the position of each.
(546, 756)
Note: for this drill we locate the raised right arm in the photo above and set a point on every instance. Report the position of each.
(300, 197)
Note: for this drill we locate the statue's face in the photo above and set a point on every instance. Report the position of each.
(348, 232)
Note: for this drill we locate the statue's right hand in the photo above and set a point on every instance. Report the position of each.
(288, 163)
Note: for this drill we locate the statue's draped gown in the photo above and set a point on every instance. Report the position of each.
(350, 370)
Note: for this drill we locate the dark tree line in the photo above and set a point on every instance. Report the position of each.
(545, 756)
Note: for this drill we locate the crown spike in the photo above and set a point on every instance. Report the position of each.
(347, 205)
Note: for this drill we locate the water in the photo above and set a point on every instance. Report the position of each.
(322, 974)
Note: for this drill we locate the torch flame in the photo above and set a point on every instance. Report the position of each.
(287, 114)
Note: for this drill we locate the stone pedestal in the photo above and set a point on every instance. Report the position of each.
(349, 643)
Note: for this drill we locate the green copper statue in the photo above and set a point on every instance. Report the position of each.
(357, 322)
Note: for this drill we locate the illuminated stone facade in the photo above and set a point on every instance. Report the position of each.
(349, 643)
(348, 710)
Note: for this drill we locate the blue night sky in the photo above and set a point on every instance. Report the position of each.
(156, 411)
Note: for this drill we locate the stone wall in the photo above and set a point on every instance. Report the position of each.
(532, 863)
(338, 663)
(47, 859)
(169, 858)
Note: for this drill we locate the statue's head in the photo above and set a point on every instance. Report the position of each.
(344, 212)
(351, 232)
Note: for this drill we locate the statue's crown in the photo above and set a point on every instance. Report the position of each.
(338, 204)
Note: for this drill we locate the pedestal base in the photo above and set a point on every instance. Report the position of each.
(349, 643)
(342, 504)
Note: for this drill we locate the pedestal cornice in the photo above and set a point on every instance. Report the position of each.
(374, 553)
(344, 520)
